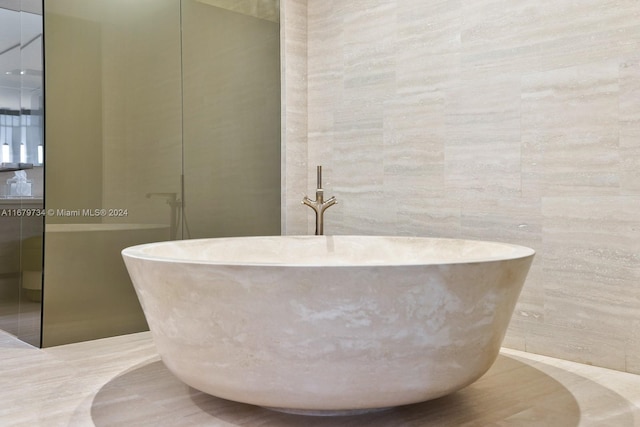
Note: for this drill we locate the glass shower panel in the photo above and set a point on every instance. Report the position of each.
(139, 91)
(21, 177)
(113, 157)
(231, 66)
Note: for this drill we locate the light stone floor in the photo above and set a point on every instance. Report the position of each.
(120, 381)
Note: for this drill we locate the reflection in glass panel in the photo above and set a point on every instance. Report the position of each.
(231, 63)
(113, 138)
(137, 151)
(21, 131)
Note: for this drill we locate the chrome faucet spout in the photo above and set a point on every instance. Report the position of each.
(319, 205)
(169, 197)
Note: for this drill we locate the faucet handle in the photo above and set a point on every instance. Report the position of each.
(319, 205)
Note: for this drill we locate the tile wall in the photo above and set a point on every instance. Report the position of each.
(491, 119)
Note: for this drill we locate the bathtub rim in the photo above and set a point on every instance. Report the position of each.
(93, 227)
(510, 252)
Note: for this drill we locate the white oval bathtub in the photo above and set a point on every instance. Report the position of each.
(328, 324)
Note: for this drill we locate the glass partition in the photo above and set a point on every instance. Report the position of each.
(113, 157)
(163, 122)
(231, 63)
(21, 177)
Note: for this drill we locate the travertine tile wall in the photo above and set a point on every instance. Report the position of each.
(491, 119)
(294, 115)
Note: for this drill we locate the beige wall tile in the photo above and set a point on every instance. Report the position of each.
(592, 263)
(482, 153)
(571, 114)
(493, 120)
(630, 125)
(633, 348)
(422, 214)
(293, 35)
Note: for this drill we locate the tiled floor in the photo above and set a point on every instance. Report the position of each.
(121, 382)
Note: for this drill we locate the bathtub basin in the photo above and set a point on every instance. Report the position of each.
(328, 324)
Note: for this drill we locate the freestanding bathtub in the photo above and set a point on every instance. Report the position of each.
(328, 324)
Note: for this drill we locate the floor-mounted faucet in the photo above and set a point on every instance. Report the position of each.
(175, 204)
(319, 205)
